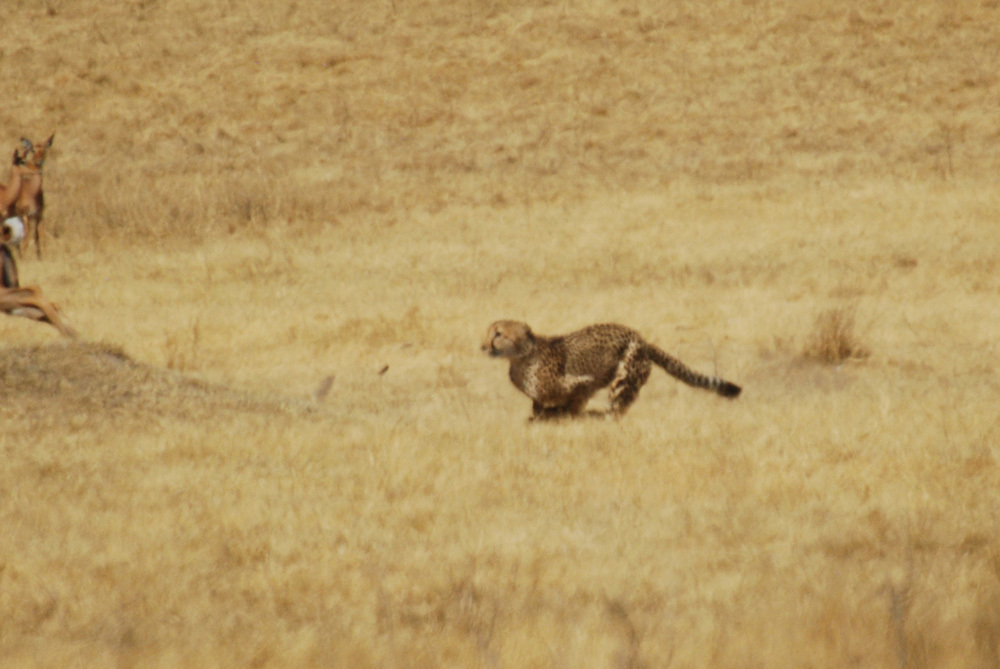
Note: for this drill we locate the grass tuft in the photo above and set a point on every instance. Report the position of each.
(834, 339)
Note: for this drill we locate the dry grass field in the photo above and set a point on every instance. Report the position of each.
(282, 229)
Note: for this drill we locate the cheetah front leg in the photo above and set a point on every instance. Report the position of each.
(572, 406)
(541, 412)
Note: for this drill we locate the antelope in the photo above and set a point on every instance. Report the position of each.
(30, 201)
(26, 302)
(29, 302)
(12, 227)
(10, 193)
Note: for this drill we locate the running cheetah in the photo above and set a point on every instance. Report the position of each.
(560, 374)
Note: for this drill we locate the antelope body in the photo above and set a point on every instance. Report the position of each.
(29, 302)
(10, 192)
(30, 201)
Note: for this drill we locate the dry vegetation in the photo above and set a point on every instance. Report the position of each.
(835, 339)
(283, 227)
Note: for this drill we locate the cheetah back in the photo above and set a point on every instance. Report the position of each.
(597, 350)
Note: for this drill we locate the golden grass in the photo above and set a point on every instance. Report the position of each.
(283, 228)
(834, 339)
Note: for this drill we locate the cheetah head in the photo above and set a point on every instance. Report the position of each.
(508, 339)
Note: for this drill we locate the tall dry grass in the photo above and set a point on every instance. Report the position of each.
(835, 338)
(283, 229)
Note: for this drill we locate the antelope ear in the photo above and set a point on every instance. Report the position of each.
(28, 146)
(48, 143)
(18, 158)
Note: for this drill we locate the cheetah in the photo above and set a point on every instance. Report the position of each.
(560, 374)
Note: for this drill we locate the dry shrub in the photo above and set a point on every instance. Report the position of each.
(834, 339)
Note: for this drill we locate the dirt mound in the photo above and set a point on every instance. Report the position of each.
(101, 381)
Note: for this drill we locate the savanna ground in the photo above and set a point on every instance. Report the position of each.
(283, 227)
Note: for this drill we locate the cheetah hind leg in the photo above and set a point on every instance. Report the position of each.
(631, 377)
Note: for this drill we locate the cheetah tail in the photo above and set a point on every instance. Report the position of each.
(727, 389)
(682, 372)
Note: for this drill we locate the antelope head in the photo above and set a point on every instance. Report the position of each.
(38, 154)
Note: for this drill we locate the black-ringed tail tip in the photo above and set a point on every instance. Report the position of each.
(730, 390)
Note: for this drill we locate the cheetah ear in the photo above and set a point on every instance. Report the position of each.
(529, 334)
